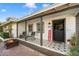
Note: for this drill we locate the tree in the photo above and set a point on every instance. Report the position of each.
(10, 18)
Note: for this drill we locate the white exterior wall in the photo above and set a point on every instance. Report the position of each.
(4, 29)
(21, 28)
(14, 30)
(34, 22)
(70, 24)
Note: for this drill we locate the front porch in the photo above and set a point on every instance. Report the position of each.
(60, 47)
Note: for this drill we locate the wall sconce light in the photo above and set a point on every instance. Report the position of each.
(49, 23)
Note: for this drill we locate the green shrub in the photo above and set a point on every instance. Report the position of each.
(5, 35)
(74, 51)
(1, 34)
(73, 40)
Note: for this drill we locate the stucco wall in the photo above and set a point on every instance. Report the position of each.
(70, 26)
(34, 22)
(14, 28)
(21, 28)
(4, 29)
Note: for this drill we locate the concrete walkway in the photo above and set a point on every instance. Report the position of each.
(20, 50)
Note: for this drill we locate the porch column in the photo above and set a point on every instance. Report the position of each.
(17, 29)
(25, 29)
(41, 32)
(77, 29)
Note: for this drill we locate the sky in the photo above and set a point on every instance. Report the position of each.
(19, 10)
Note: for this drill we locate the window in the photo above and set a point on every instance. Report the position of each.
(30, 27)
(38, 27)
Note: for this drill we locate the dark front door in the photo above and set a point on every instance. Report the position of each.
(58, 30)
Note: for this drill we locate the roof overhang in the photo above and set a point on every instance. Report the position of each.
(8, 22)
(54, 9)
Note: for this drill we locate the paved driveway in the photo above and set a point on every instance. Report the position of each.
(20, 50)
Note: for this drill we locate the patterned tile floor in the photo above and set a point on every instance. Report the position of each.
(59, 46)
(20, 50)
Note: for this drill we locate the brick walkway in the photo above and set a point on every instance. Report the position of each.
(20, 50)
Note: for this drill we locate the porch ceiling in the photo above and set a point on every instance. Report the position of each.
(50, 11)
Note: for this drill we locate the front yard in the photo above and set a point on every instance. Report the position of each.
(20, 50)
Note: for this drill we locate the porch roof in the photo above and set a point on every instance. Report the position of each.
(50, 10)
(5, 23)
